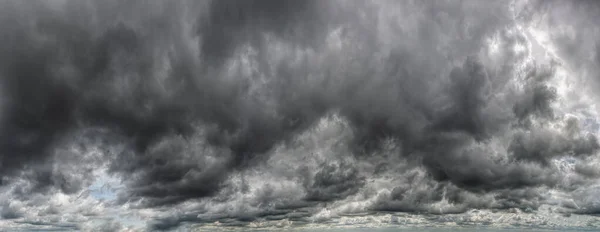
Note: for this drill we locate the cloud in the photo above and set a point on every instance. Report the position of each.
(241, 113)
(334, 181)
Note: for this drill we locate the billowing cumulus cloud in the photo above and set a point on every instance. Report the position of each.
(145, 115)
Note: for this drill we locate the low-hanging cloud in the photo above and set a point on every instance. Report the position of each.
(243, 111)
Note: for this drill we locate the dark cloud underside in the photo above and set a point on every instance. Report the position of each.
(435, 101)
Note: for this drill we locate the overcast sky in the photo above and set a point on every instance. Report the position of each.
(157, 115)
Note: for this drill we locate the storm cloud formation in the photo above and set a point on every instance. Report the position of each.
(248, 112)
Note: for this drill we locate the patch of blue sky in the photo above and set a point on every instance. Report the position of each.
(105, 187)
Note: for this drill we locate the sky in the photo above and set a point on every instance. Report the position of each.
(200, 115)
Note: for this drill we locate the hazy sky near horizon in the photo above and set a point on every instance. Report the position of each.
(157, 115)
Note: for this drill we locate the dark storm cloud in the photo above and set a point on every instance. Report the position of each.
(538, 96)
(174, 170)
(230, 24)
(334, 182)
(197, 92)
(239, 123)
(466, 114)
(104, 77)
(541, 146)
(37, 106)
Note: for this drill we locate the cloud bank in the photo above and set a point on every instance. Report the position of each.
(155, 116)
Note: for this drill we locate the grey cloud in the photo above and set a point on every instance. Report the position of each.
(587, 170)
(466, 113)
(106, 226)
(334, 181)
(175, 169)
(230, 24)
(11, 211)
(538, 95)
(571, 31)
(541, 146)
(110, 85)
(182, 99)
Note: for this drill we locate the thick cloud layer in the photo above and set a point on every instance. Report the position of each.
(247, 112)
